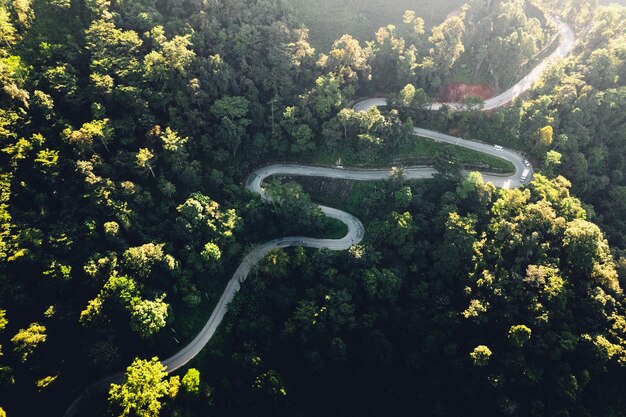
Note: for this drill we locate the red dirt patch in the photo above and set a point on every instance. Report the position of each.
(458, 91)
(458, 133)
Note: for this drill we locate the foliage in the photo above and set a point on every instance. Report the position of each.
(144, 387)
(141, 259)
(480, 355)
(191, 381)
(27, 340)
(514, 289)
(362, 18)
(148, 317)
(3, 319)
(127, 128)
(519, 334)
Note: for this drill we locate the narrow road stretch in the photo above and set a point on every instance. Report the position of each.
(356, 230)
(355, 227)
(567, 42)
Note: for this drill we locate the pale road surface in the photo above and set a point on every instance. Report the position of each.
(567, 42)
(355, 227)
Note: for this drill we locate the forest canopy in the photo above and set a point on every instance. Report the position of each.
(128, 129)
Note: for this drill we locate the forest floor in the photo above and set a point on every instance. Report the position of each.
(456, 92)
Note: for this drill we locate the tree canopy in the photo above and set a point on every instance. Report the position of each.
(127, 129)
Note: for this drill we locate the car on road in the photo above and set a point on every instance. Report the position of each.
(526, 162)
(497, 148)
(524, 175)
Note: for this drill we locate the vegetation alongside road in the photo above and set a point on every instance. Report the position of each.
(457, 292)
(126, 129)
(327, 20)
(415, 150)
(573, 125)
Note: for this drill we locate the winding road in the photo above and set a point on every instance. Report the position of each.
(356, 230)
(567, 42)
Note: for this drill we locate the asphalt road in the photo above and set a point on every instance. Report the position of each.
(355, 227)
(356, 230)
(567, 42)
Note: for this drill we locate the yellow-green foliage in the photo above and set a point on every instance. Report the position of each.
(329, 19)
(143, 390)
(480, 355)
(191, 381)
(26, 340)
(46, 381)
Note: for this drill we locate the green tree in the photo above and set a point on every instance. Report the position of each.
(480, 355)
(63, 81)
(144, 160)
(201, 219)
(447, 165)
(27, 340)
(588, 254)
(141, 259)
(113, 51)
(325, 96)
(24, 13)
(191, 381)
(291, 203)
(121, 288)
(409, 17)
(519, 334)
(169, 59)
(47, 160)
(211, 252)
(45, 382)
(83, 138)
(172, 141)
(233, 107)
(141, 393)
(176, 149)
(111, 228)
(347, 62)
(406, 96)
(447, 45)
(8, 35)
(3, 323)
(148, 317)
(381, 285)
(231, 111)
(551, 162)
(544, 136)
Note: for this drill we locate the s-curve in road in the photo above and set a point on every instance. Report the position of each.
(355, 227)
(567, 42)
(502, 181)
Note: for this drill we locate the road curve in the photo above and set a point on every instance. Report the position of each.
(567, 42)
(356, 230)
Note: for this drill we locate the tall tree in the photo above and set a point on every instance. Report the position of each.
(142, 392)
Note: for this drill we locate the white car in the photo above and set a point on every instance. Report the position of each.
(497, 148)
(526, 162)
(524, 175)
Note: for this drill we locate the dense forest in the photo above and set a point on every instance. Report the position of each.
(128, 127)
(504, 303)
